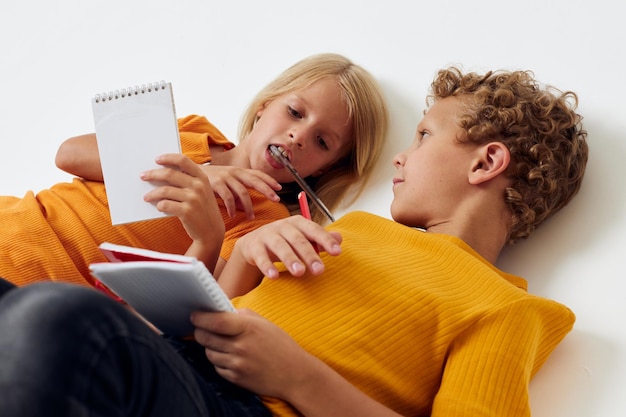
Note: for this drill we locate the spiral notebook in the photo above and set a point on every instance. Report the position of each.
(133, 126)
(163, 288)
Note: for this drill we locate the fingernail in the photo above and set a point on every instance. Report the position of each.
(317, 267)
(297, 267)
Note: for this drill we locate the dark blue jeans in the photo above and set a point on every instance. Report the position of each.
(71, 351)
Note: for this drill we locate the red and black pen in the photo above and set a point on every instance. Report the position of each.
(277, 154)
(306, 212)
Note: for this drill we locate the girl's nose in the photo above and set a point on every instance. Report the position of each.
(297, 139)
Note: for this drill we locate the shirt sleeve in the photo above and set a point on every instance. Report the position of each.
(196, 136)
(489, 367)
(265, 211)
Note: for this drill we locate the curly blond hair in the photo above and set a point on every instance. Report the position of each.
(539, 126)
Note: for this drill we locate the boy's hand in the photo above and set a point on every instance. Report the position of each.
(251, 352)
(291, 241)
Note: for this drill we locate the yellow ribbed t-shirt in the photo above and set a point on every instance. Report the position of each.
(416, 320)
(54, 235)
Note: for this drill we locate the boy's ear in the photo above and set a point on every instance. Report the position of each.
(490, 161)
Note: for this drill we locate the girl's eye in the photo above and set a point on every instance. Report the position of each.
(322, 143)
(295, 113)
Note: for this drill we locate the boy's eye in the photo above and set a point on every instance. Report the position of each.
(294, 112)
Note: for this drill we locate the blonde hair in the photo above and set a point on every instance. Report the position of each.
(539, 126)
(367, 109)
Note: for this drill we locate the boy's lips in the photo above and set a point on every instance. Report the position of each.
(396, 182)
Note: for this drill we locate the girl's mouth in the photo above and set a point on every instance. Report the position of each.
(277, 157)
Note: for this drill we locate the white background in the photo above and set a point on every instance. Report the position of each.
(55, 55)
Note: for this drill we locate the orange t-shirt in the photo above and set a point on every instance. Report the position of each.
(54, 235)
(418, 321)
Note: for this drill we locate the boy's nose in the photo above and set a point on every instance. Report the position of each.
(398, 160)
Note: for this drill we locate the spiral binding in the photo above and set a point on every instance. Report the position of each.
(219, 298)
(130, 91)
